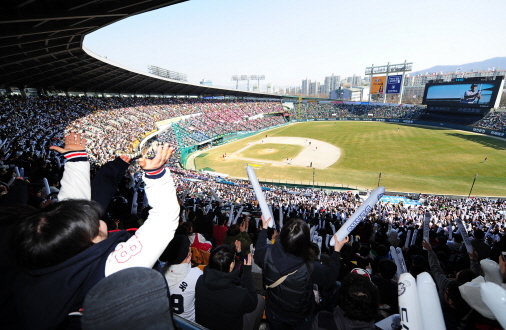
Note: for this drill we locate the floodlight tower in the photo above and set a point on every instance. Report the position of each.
(236, 79)
(257, 78)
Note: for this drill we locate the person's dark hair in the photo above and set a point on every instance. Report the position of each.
(221, 258)
(294, 239)
(414, 270)
(270, 232)
(359, 298)
(387, 268)
(458, 238)
(466, 275)
(221, 220)
(479, 234)
(189, 226)
(364, 251)
(56, 233)
(346, 252)
(454, 294)
(182, 230)
(315, 251)
(233, 230)
(381, 250)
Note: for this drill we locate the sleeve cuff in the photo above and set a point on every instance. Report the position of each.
(155, 174)
(76, 156)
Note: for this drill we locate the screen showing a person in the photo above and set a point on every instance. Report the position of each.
(465, 93)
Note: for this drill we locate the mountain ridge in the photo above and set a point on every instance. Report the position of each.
(496, 62)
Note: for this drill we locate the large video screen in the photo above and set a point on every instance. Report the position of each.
(475, 94)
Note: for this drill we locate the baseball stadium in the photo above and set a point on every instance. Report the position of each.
(128, 197)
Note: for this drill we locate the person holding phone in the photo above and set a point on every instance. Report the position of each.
(63, 250)
(223, 300)
(289, 273)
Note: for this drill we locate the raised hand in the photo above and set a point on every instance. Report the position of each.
(265, 223)
(73, 142)
(426, 245)
(339, 244)
(162, 156)
(248, 261)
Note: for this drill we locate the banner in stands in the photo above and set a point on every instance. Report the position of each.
(378, 85)
(399, 199)
(394, 84)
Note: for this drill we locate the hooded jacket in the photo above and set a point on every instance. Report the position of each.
(221, 302)
(277, 263)
(46, 296)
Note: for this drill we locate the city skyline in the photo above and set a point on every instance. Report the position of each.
(216, 40)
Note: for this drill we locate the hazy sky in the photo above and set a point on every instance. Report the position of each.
(289, 40)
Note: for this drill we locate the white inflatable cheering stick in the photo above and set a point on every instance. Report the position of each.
(430, 307)
(408, 239)
(231, 215)
(465, 237)
(266, 212)
(413, 239)
(409, 306)
(492, 271)
(395, 258)
(359, 215)
(46, 187)
(494, 297)
(402, 262)
(238, 214)
(426, 222)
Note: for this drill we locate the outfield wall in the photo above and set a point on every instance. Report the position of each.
(415, 122)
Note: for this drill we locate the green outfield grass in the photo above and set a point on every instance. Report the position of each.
(272, 151)
(410, 158)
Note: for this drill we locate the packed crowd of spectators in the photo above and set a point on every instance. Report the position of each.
(329, 110)
(49, 278)
(494, 120)
(116, 125)
(214, 209)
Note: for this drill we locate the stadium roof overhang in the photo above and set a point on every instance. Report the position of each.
(41, 45)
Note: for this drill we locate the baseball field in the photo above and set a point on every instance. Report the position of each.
(417, 159)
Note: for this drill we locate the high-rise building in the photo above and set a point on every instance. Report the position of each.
(314, 88)
(331, 83)
(356, 81)
(305, 86)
